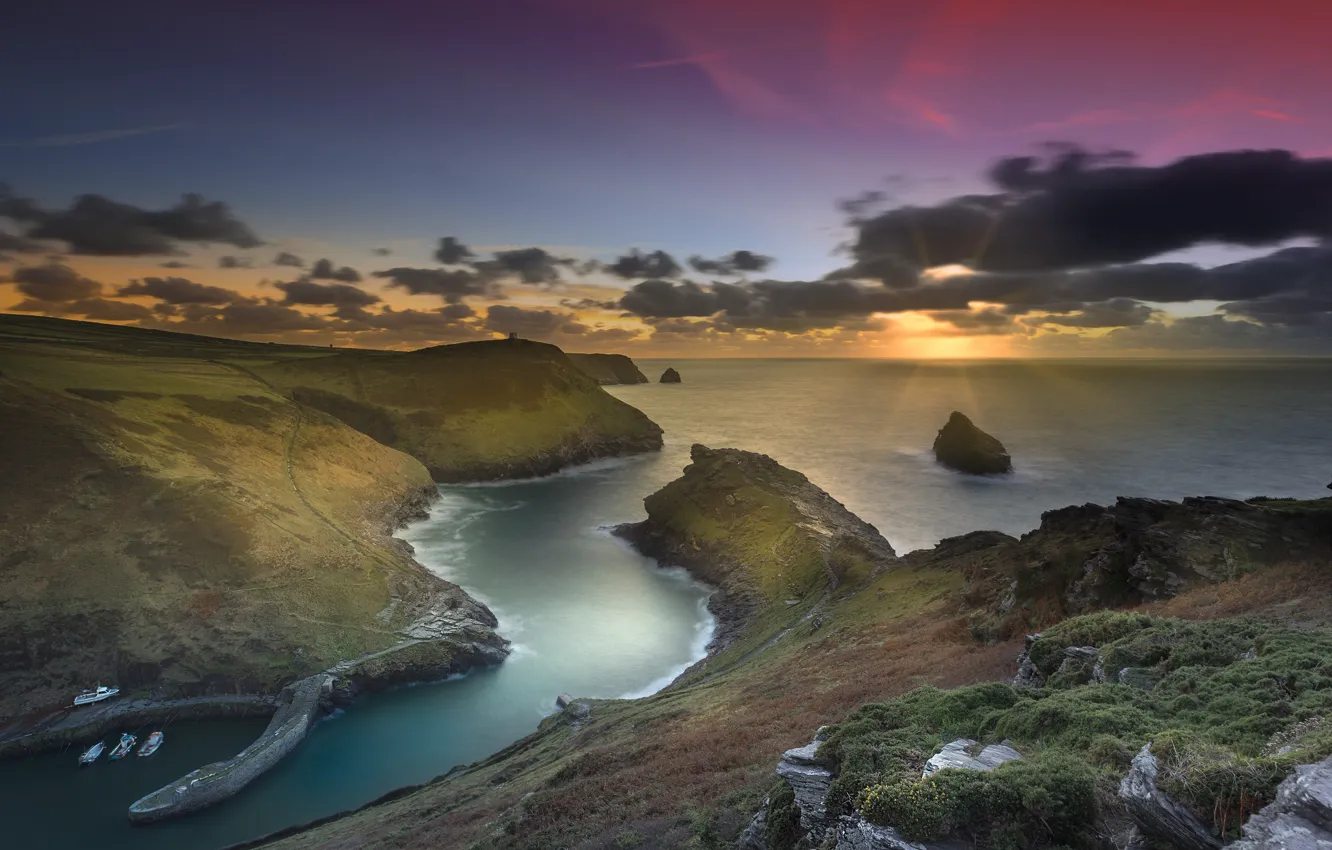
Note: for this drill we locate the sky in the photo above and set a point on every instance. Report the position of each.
(899, 178)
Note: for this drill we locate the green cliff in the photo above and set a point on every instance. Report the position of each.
(608, 369)
(473, 411)
(184, 515)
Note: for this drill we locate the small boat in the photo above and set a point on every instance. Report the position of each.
(97, 694)
(93, 753)
(150, 746)
(127, 742)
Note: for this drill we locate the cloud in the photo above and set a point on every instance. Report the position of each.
(636, 264)
(530, 265)
(20, 244)
(97, 225)
(1080, 209)
(230, 262)
(175, 264)
(1115, 313)
(451, 285)
(987, 321)
(381, 252)
(323, 270)
(737, 262)
(90, 138)
(450, 252)
(96, 309)
(286, 258)
(250, 317)
(534, 324)
(53, 282)
(178, 290)
(306, 291)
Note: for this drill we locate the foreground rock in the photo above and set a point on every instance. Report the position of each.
(1156, 814)
(670, 376)
(761, 533)
(966, 448)
(809, 777)
(958, 754)
(608, 369)
(1300, 818)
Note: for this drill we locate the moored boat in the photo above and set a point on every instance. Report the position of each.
(97, 694)
(127, 742)
(150, 746)
(91, 754)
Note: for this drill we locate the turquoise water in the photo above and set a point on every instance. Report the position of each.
(590, 617)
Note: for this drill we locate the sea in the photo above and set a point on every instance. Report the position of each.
(589, 617)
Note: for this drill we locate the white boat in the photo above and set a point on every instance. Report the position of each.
(97, 694)
(91, 754)
(150, 746)
(127, 742)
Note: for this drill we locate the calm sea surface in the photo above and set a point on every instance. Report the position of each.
(589, 617)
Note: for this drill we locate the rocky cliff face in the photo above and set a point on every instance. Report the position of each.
(966, 448)
(761, 533)
(608, 369)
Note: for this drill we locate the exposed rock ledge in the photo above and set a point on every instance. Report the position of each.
(1300, 818)
(1156, 814)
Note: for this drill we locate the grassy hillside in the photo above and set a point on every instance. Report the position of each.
(183, 514)
(914, 644)
(479, 410)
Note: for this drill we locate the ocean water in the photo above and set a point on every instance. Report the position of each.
(589, 617)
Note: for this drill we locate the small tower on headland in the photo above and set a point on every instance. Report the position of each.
(513, 335)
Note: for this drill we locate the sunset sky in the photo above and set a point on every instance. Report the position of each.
(865, 158)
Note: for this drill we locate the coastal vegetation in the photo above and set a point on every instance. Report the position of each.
(1221, 632)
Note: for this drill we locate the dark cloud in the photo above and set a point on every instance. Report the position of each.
(589, 304)
(637, 264)
(175, 264)
(252, 317)
(94, 224)
(287, 258)
(450, 252)
(178, 290)
(987, 321)
(1115, 313)
(530, 265)
(96, 309)
(590, 335)
(735, 263)
(20, 244)
(323, 270)
(53, 282)
(306, 291)
(451, 285)
(1291, 309)
(1079, 210)
(668, 299)
(230, 262)
(444, 320)
(381, 252)
(534, 324)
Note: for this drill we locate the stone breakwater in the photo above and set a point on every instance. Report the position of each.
(298, 706)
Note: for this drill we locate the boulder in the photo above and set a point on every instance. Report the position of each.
(1027, 674)
(966, 448)
(670, 376)
(958, 755)
(1300, 818)
(1157, 815)
(856, 833)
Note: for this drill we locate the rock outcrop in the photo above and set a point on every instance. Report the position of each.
(670, 376)
(856, 833)
(958, 754)
(761, 533)
(966, 448)
(1300, 818)
(608, 369)
(1156, 814)
(809, 777)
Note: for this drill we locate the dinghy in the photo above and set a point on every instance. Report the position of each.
(150, 746)
(91, 754)
(127, 742)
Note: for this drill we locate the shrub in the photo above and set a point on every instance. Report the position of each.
(781, 830)
(1021, 804)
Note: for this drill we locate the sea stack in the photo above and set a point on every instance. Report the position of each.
(670, 376)
(966, 448)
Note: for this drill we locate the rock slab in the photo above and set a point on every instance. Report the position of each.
(809, 777)
(962, 446)
(958, 755)
(1156, 814)
(1300, 818)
